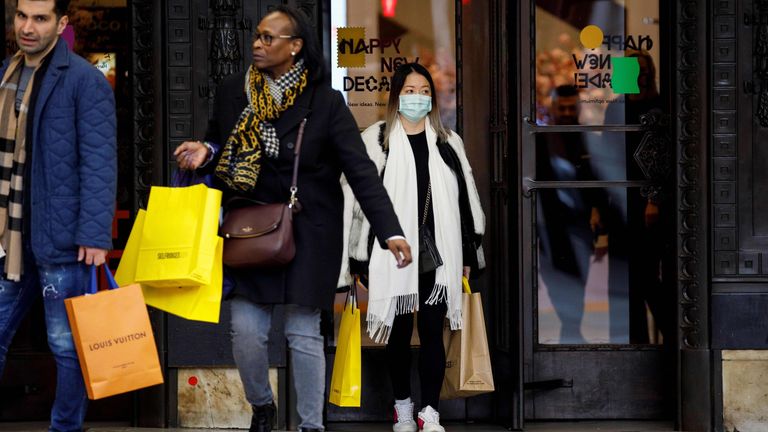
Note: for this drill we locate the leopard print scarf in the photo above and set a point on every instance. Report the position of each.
(240, 161)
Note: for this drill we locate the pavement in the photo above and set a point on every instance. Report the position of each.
(586, 426)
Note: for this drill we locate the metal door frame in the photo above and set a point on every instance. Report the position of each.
(688, 82)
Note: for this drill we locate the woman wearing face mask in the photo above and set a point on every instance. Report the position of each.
(427, 175)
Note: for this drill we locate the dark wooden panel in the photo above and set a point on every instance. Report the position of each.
(606, 385)
(178, 31)
(197, 344)
(725, 263)
(178, 9)
(738, 320)
(724, 192)
(725, 169)
(725, 27)
(725, 7)
(725, 50)
(724, 145)
(724, 75)
(749, 263)
(724, 122)
(725, 239)
(180, 102)
(725, 215)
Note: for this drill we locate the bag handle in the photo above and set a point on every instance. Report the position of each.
(465, 284)
(352, 294)
(93, 286)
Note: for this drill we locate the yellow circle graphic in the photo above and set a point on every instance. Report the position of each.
(591, 36)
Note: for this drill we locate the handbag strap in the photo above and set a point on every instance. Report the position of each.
(296, 155)
(427, 202)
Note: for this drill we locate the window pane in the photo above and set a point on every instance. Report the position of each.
(603, 53)
(601, 273)
(370, 38)
(589, 156)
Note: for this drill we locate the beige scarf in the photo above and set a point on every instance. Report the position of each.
(13, 139)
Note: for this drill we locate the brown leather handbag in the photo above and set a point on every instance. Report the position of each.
(261, 235)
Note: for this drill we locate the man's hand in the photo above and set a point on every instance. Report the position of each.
(595, 221)
(190, 154)
(92, 255)
(601, 247)
(651, 213)
(401, 250)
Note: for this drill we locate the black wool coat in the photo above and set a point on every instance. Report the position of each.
(331, 146)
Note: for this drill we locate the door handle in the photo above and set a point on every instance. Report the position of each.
(548, 384)
(530, 184)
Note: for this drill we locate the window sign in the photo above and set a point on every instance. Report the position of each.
(609, 50)
(371, 38)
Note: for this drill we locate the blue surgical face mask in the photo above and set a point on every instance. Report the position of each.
(415, 107)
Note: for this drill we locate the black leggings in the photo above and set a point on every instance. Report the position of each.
(431, 353)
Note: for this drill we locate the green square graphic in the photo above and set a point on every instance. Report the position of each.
(626, 70)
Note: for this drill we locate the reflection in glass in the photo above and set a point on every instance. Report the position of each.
(600, 267)
(596, 155)
(608, 49)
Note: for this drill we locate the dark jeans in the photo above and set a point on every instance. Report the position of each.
(56, 283)
(431, 354)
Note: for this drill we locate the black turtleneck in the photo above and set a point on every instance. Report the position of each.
(421, 157)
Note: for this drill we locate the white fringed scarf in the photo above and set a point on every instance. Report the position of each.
(394, 291)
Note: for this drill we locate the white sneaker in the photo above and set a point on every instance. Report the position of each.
(429, 420)
(404, 418)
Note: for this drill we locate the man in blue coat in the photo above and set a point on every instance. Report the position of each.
(58, 167)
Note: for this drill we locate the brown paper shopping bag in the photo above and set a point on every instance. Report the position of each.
(467, 357)
(114, 339)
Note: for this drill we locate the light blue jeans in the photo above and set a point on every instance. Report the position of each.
(56, 283)
(250, 328)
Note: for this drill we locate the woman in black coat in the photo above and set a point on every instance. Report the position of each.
(285, 85)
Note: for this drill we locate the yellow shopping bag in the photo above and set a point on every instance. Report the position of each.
(346, 380)
(199, 303)
(179, 238)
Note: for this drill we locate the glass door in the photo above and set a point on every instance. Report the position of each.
(597, 213)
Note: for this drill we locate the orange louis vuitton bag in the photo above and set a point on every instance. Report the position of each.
(113, 338)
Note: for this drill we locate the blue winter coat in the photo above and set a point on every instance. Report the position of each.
(73, 171)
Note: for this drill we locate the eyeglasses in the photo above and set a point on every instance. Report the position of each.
(267, 39)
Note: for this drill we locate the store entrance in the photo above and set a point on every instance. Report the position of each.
(598, 218)
(99, 31)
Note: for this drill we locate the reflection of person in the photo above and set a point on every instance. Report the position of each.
(285, 85)
(428, 177)
(57, 187)
(568, 218)
(641, 241)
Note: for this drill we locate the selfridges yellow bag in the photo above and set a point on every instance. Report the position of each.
(179, 238)
(199, 303)
(346, 380)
